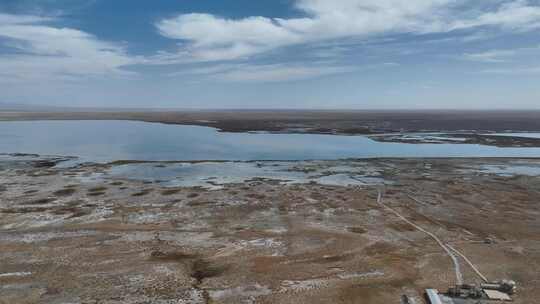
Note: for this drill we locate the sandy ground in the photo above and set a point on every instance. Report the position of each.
(65, 238)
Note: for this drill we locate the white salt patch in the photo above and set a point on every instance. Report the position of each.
(136, 279)
(348, 180)
(305, 285)
(276, 246)
(361, 275)
(43, 236)
(255, 290)
(164, 270)
(297, 286)
(311, 200)
(194, 296)
(15, 274)
(197, 239)
(236, 203)
(280, 230)
(228, 250)
(147, 217)
(36, 220)
(99, 214)
(268, 243)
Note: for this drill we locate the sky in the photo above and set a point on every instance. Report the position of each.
(323, 54)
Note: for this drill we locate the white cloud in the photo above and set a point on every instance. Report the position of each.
(6, 19)
(207, 37)
(215, 38)
(517, 15)
(533, 70)
(278, 73)
(331, 29)
(264, 72)
(334, 19)
(493, 56)
(244, 72)
(504, 55)
(45, 52)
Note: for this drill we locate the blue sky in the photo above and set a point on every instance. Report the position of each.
(362, 54)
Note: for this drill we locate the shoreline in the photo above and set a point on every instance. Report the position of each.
(316, 122)
(392, 127)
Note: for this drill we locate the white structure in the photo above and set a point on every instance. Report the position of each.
(433, 296)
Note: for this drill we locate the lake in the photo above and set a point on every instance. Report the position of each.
(104, 141)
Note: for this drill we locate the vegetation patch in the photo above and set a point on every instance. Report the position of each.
(170, 191)
(98, 189)
(42, 173)
(359, 230)
(73, 212)
(23, 210)
(380, 248)
(333, 259)
(256, 196)
(401, 227)
(41, 201)
(175, 256)
(65, 192)
(200, 203)
(142, 192)
(95, 193)
(202, 269)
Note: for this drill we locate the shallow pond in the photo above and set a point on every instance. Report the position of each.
(213, 175)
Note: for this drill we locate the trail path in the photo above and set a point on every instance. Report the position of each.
(457, 269)
(469, 262)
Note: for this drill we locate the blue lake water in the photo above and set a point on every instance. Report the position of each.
(103, 141)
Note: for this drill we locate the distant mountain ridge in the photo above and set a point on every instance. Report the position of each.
(21, 107)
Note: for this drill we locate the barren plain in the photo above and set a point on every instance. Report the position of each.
(83, 235)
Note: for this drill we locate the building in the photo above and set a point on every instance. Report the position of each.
(433, 296)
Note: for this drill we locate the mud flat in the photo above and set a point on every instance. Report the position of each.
(503, 140)
(87, 234)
